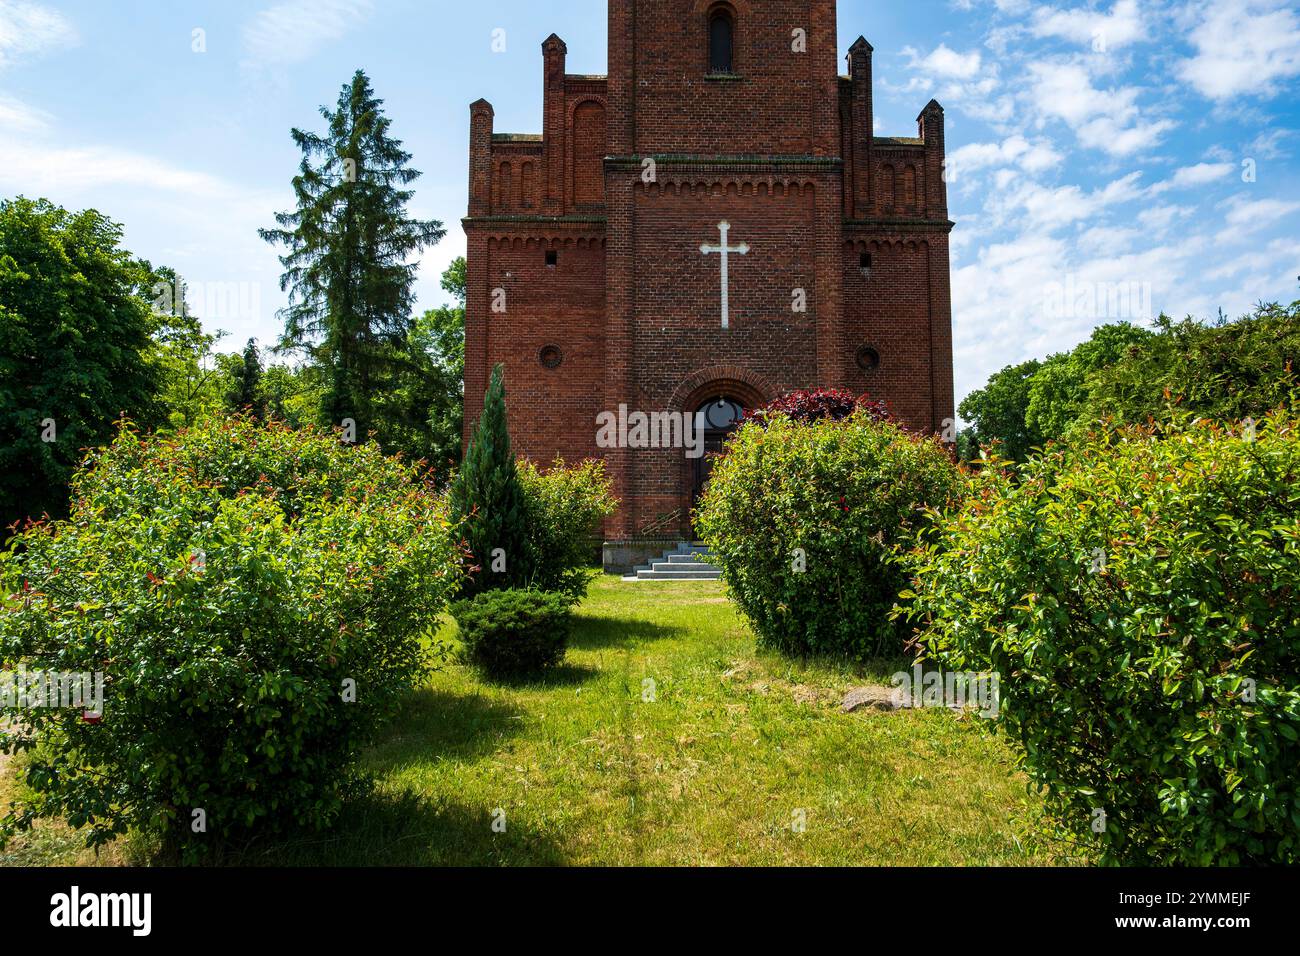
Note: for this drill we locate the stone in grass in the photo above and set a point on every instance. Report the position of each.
(874, 697)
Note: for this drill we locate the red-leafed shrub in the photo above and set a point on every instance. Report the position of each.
(818, 404)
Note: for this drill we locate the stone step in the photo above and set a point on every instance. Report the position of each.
(692, 575)
(685, 563)
(684, 566)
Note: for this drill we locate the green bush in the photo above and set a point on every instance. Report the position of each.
(565, 506)
(233, 584)
(805, 521)
(1138, 597)
(511, 631)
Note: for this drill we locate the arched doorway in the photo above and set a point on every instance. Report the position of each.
(719, 417)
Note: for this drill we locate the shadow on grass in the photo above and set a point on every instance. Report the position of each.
(380, 829)
(437, 722)
(561, 675)
(592, 633)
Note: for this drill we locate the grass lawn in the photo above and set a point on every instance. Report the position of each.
(735, 748)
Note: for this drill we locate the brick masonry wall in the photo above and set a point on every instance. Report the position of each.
(552, 411)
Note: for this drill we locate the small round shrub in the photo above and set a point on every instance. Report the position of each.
(806, 519)
(1140, 598)
(514, 631)
(257, 599)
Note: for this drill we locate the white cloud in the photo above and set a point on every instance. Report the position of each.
(1015, 150)
(1198, 175)
(30, 29)
(1109, 120)
(19, 117)
(1268, 145)
(55, 170)
(1249, 215)
(1157, 220)
(1007, 303)
(1109, 240)
(1244, 48)
(1034, 206)
(292, 31)
(944, 62)
(961, 79)
(1100, 31)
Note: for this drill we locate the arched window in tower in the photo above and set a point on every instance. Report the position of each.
(909, 187)
(722, 40)
(887, 187)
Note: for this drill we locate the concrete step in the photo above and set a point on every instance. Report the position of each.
(686, 557)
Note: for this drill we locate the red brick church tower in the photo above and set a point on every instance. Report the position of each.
(596, 266)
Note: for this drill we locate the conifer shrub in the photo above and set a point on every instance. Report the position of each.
(488, 503)
(512, 632)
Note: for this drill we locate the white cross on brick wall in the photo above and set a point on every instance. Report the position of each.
(722, 248)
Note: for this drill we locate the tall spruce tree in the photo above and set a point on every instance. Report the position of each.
(487, 497)
(348, 270)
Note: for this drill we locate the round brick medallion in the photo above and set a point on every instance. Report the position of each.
(550, 356)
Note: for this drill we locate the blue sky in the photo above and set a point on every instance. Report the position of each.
(1109, 160)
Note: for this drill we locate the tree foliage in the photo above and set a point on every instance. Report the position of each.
(245, 392)
(1060, 392)
(193, 378)
(1226, 371)
(998, 412)
(425, 409)
(75, 348)
(1128, 375)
